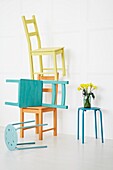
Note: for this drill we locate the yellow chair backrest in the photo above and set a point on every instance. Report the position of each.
(30, 34)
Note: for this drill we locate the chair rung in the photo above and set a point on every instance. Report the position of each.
(47, 68)
(47, 90)
(45, 130)
(51, 68)
(32, 33)
(55, 106)
(44, 73)
(29, 21)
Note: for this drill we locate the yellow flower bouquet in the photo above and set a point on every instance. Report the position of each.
(87, 92)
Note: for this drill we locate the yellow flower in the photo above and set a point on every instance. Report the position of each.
(79, 89)
(82, 85)
(87, 86)
(94, 87)
(87, 89)
(91, 85)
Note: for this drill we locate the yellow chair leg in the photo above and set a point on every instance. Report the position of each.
(63, 64)
(41, 63)
(55, 66)
(31, 67)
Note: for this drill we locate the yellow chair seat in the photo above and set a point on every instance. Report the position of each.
(56, 49)
(46, 51)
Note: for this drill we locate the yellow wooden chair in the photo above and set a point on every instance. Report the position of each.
(42, 51)
(39, 111)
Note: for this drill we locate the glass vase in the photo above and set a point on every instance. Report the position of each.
(87, 101)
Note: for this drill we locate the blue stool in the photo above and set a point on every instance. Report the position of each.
(95, 109)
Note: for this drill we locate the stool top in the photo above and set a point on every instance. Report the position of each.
(91, 108)
(11, 137)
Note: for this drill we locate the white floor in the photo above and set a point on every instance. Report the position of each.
(64, 152)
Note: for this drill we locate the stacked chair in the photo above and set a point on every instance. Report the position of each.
(40, 52)
(30, 91)
(43, 74)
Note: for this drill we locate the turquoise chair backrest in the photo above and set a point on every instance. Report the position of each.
(30, 93)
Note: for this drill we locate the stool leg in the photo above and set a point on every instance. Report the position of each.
(101, 126)
(78, 125)
(82, 127)
(95, 124)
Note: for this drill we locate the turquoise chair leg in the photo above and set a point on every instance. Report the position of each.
(82, 127)
(78, 125)
(101, 126)
(95, 124)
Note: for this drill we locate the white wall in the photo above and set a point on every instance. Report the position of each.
(85, 29)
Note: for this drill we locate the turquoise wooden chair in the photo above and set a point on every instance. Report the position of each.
(30, 93)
